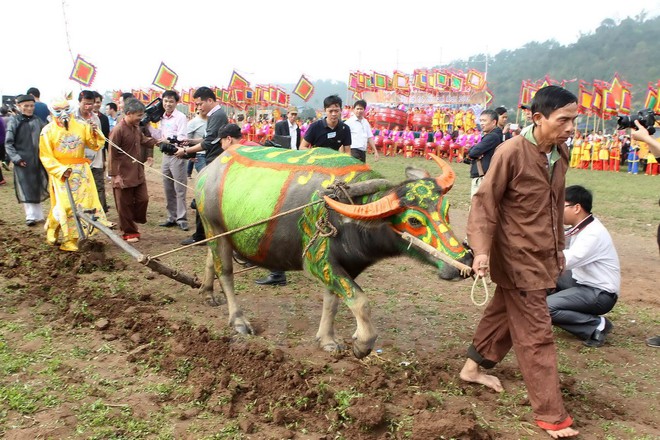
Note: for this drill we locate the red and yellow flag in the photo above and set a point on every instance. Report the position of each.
(304, 89)
(83, 72)
(165, 78)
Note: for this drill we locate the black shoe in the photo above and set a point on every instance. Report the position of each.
(597, 339)
(190, 240)
(240, 260)
(183, 225)
(167, 224)
(272, 280)
(653, 342)
(30, 222)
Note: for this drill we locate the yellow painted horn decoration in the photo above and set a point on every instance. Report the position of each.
(446, 179)
(381, 208)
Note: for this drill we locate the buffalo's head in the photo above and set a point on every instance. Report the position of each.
(417, 206)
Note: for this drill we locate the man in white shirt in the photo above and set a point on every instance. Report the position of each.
(174, 125)
(590, 284)
(361, 133)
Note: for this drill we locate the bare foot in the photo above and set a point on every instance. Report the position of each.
(561, 433)
(471, 373)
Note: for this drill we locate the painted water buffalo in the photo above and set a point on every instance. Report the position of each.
(335, 239)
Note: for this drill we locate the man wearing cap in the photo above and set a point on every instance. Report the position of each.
(22, 147)
(288, 127)
(361, 134)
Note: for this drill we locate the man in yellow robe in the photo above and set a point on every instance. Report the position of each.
(62, 153)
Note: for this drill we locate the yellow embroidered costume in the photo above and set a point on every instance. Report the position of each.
(62, 147)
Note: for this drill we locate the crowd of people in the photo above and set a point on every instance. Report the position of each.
(543, 277)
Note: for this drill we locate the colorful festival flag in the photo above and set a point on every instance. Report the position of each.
(237, 81)
(380, 81)
(585, 97)
(304, 89)
(421, 79)
(476, 79)
(442, 80)
(651, 100)
(83, 72)
(456, 83)
(165, 78)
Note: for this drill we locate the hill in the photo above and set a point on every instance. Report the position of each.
(627, 48)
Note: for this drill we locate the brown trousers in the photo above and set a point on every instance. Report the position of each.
(131, 207)
(521, 320)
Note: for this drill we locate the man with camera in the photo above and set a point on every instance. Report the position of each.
(644, 135)
(173, 125)
(205, 101)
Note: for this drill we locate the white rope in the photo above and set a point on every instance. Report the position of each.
(486, 292)
(143, 163)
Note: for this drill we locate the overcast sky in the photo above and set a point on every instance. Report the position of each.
(269, 41)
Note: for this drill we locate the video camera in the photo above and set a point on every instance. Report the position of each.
(645, 117)
(154, 112)
(170, 147)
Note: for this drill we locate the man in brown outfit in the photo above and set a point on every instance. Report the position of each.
(129, 185)
(517, 219)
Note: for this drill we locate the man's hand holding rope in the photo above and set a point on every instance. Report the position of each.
(480, 265)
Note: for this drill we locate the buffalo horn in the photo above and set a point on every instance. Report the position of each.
(446, 179)
(381, 208)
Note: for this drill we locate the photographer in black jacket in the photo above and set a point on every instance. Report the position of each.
(481, 153)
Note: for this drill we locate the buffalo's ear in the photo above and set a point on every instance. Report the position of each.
(416, 173)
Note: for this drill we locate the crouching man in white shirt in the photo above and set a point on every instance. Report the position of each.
(589, 286)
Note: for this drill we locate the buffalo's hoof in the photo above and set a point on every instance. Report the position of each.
(215, 301)
(361, 350)
(333, 347)
(244, 329)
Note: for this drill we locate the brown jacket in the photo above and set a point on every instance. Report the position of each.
(517, 216)
(131, 140)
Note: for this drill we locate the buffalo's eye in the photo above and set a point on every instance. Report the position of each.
(414, 222)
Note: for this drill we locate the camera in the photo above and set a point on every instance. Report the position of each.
(645, 117)
(154, 112)
(170, 147)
